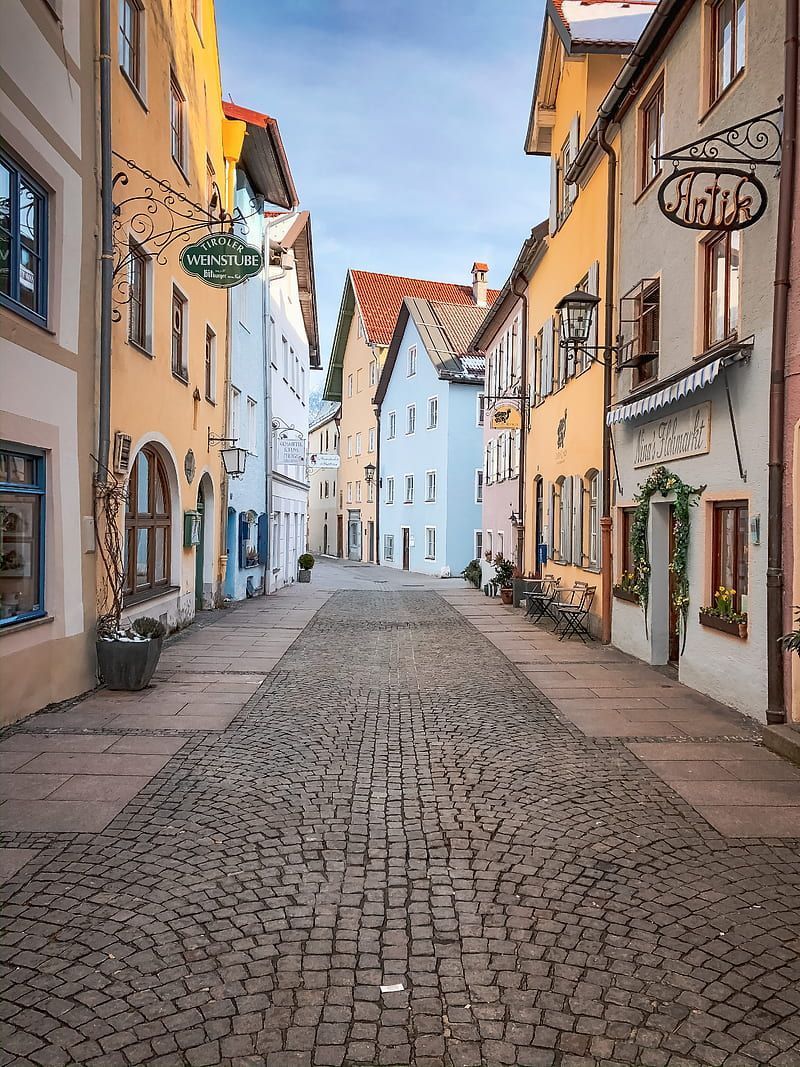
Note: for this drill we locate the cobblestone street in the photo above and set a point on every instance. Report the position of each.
(357, 833)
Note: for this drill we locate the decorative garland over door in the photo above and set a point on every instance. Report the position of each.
(663, 481)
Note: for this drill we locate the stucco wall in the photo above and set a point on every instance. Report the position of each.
(730, 669)
(322, 508)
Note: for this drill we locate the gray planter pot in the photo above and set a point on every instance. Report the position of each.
(303, 576)
(128, 664)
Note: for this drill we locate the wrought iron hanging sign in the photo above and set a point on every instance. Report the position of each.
(222, 260)
(715, 192)
(506, 417)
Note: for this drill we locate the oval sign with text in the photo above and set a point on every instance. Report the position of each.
(222, 260)
(713, 198)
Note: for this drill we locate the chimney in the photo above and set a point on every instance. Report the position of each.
(479, 272)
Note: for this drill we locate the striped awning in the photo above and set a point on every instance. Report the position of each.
(683, 387)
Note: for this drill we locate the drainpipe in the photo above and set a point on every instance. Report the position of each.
(608, 343)
(776, 705)
(106, 246)
(523, 294)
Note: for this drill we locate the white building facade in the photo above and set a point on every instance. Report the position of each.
(323, 441)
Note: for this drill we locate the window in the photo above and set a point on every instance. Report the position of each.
(391, 426)
(210, 374)
(371, 439)
(370, 492)
(349, 446)
(478, 486)
(252, 434)
(148, 525)
(433, 412)
(564, 191)
(388, 547)
(430, 542)
(358, 444)
(730, 551)
(478, 544)
(489, 549)
(23, 241)
(273, 345)
(389, 496)
(373, 372)
(728, 35)
(179, 367)
(234, 413)
(411, 418)
(22, 570)
(138, 310)
(722, 287)
(177, 122)
(481, 409)
(501, 541)
(130, 41)
(409, 489)
(564, 524)
(359, 385)
(627, 517)
(248, 539)
(652, 135)
(349, 492)
(430, 485)
(358, 492)
(648, 329)
(296, 379)
(349, 384)
(594, 520)
(412, 361)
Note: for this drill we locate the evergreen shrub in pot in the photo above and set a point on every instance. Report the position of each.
(305, 565)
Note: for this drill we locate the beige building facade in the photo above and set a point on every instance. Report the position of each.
(323, 507)
(48, 265)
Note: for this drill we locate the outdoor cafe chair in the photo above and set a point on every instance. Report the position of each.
(573, 615)
(540, 600)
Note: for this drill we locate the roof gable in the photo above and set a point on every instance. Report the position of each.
(263, 155)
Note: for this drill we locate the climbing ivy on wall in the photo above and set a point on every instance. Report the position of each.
(663, 481)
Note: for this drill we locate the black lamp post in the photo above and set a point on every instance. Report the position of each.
(576, 311)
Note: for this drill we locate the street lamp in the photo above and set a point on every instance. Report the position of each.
(369, 473)
(233, 459)
(576, 311)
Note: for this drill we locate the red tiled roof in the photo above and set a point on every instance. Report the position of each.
(380, 296)
(480, 266)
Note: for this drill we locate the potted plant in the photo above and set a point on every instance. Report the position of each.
(626, 589)
(721, 615)
(472, 573)
(504, 576)
(791, 642)
(127, 656)
(305, 564)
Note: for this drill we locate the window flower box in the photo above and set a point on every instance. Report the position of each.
(736, 626)
(626, 594)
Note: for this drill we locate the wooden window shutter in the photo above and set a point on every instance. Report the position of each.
(551, 519)
(577, 528)
(553, 195)
(594, 288)
(574, 143)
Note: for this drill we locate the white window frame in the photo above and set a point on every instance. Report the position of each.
(411, 361)
(430, 487)
(477, 544)
(358, 443)
(388, 547)
(373, 372)
(478, 485)
(234, 413)
(408, 484)
(391, 426)
(252, 431)
(411, 420)
(349, 492)
(349, 446)
(358, 491)
(594, 521)
(371, 439)
(389, 494)
(349, 384)
(501, 543)
(430, 542)
(433, 412)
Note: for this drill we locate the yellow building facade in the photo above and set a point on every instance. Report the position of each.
(168, 378)
(564, 448)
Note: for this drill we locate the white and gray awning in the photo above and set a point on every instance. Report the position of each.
(689, 383)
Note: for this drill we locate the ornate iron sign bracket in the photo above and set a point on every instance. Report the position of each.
(150, 221)
(755, 142)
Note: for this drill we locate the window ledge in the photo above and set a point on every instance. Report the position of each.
(180, 378)
(134, 88)
(723, 95)
(25, 624)
(140, 348)
(135, 599)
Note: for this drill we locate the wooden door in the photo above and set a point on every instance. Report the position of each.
(406, 549)
(674, 637)
(371, 538)
(199, 552)
(339, 535)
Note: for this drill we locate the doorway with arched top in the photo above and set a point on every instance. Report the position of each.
(199, 552)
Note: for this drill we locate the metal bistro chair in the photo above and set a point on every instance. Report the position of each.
(539, 601)
(573, 616)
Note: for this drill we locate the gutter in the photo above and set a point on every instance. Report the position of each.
(776, 704)
(106, 247)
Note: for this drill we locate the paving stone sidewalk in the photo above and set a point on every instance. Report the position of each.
(395, 805)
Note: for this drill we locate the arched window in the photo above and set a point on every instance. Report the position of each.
(148, 525)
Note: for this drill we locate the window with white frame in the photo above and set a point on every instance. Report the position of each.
(388, 547)
(252, 435)
(430, 542)
(501, 539)
(594, 519)
(489, 545)
(389, 494)
(131, 41)
(370, 492)
(430, 485)
(358, 444)
(371, 439)
(285, 353)
(411, 369)
(349, 446)
(373, 372)
(564, 520)
(411, 418)
(358, 492)
(177, 122)
(391, 426)
(409, 489)
(478, 486)
(234, 414)
(349, 384)
(349, 492)
(478, 544)
(433, 412)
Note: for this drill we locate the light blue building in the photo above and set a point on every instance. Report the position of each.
(262, 177)
(430, 455)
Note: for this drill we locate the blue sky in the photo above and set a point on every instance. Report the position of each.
(403, 121)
